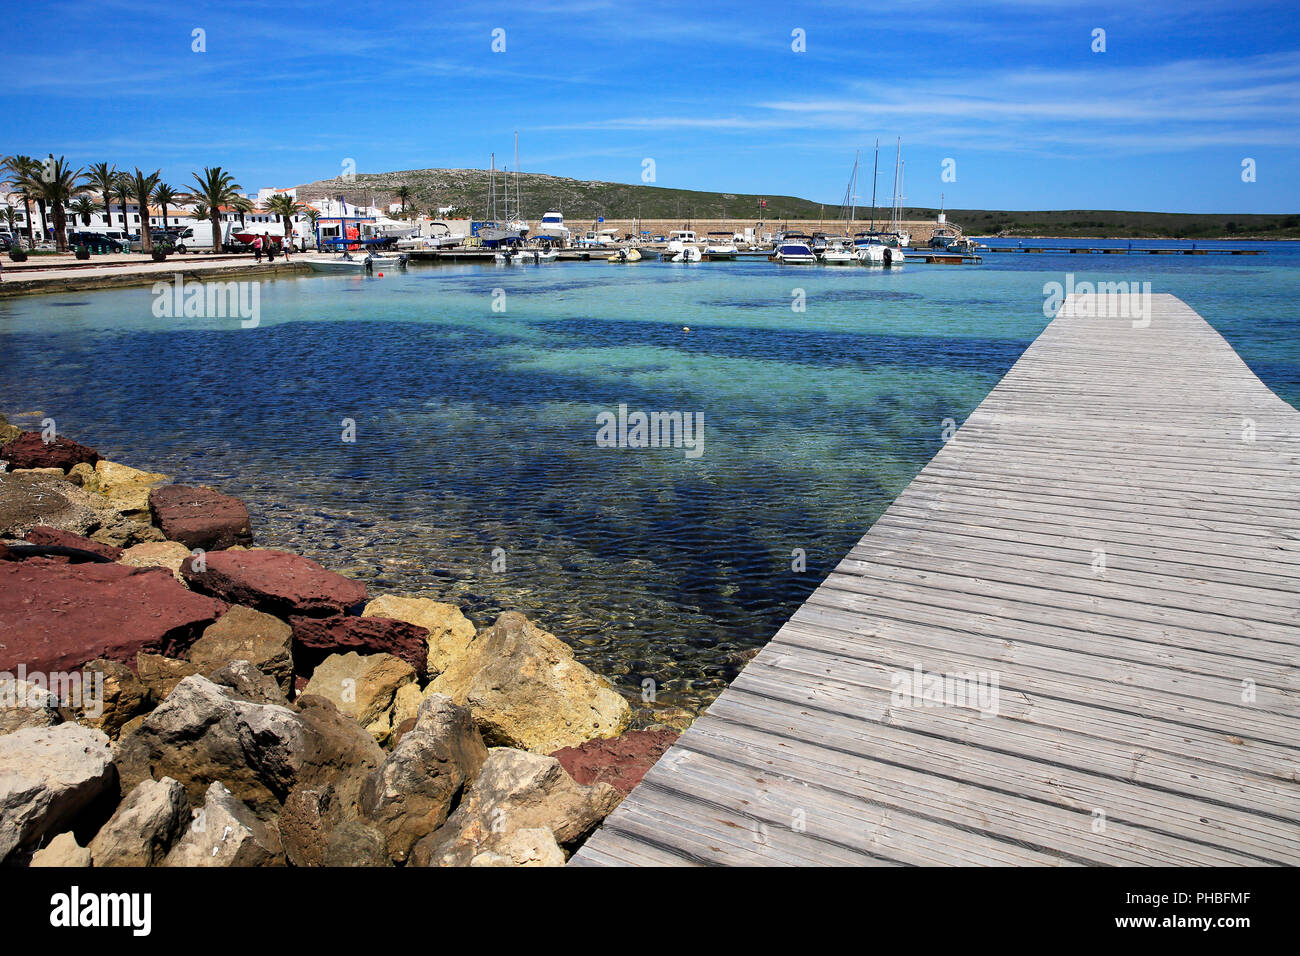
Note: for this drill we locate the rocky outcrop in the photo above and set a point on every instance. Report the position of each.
(450, 632)
(54, 537)
(8, 432)
(527, 690)
(157, 554)
(114, 696)
(25, 704)
(276, 582)
(144, 827)
(363, 686)
(531, 846)
(202, 734)
(48, 776)
(514, 791)
(242, 634)
(200, 517)
(248, 683)
(620, 761)
(63, 851)
(318, 636)
(30, 450)
(56, 617)
(227, 833)
(410, 795)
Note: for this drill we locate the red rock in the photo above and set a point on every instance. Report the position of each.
(29, 450)
(620, 761)
(276, 582)
(56, 616)
(321, 636)
(200, 517)
(53, 537)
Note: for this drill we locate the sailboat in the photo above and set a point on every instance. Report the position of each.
(514, 228)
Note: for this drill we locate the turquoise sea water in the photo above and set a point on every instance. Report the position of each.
(476, 429)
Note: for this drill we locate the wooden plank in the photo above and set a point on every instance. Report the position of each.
(1162, 692)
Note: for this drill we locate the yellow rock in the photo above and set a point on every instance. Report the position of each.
(157, 554)
(450, 632)
(123, 488)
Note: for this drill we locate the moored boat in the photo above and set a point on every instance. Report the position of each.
(340, 264)
(794, 252)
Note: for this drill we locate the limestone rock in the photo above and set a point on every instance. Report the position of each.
(363, 687)
(144, 827)
(122, 488)
(247, 635)
(353, 843)
(8, 432)
(56, 616)
(227, 833)
(516, 790)
(527, 690)
(202, 734)
(157, 554)
(62, 851)
(27, 501)
(531, 846)
(26, 704)
(48, 775)
(122, 532)
(200, 517)
(247, 682)
(159, 675)
(276, 582)
(450, 632)
(113, 695)
(410, 795)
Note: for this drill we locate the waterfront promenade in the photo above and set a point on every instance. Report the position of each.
(1108, 550)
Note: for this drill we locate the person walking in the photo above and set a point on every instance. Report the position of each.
(257, 248)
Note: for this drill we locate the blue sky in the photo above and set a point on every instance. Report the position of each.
(1010, 90)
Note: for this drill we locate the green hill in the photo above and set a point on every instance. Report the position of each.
(467, 190)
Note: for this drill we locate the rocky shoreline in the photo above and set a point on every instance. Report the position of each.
(173, 695)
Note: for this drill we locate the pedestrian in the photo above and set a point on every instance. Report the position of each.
(288, 244)
(270, 247)
(257, 248)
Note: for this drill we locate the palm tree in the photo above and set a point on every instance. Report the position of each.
(404, 193)
(164, 196)
(122, 190)
(83, 207)
(286, 207)
(216, 188)
(141, 185)
(11, 220)
(18, 172)
(102, 177)
(199, 210)
(242, 205)
(58, 183)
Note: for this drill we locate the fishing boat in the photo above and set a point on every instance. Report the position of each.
(340, 264)
(720, 246)
(624, 256)
(794, 252)
(837, 253)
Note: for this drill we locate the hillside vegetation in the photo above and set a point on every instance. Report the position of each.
(467, 190)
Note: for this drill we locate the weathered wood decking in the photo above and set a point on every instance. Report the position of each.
(1147, 712)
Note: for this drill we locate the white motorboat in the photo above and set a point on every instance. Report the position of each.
(720, 246)
(681, 247)
(794, 253)
(385, 261)
(687, 254)
(340, 264)
(552, 227)
(836, 254)
(527, 256)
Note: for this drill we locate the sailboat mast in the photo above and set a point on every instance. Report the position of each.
(853, 191)
(875, 175)
(518, 206)
(893, 207)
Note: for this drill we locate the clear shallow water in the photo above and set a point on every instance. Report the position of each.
(476, 429)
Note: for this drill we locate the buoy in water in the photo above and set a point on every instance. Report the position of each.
(381, 275)
(686, 328)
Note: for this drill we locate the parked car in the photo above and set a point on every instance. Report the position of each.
(6, 242)
(94, 240)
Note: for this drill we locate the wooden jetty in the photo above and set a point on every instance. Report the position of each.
(1113, 535)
